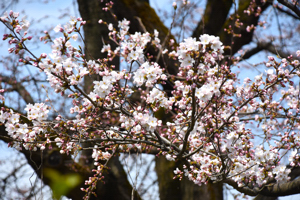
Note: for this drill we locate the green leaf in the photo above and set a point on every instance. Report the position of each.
(60, 183)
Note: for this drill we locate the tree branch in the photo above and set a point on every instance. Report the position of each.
(282, 189)
(18, 87)
(287, 12)
(215, 14)
(272, 190)
(236, 43)
(244, 190)
(268, 46)
(291, 6)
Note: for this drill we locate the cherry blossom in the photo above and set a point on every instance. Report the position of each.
(209, 110)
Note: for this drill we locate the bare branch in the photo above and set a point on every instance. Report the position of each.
(292, 6)
(268, 46)
(238, 42)
(287, 12)
(244, 190)
(282, 189)
(271, 190)
(18, 87)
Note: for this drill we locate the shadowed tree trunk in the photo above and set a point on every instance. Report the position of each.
(115, 186)
(95, 34)
(184, 189)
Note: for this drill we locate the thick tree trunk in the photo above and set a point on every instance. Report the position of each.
(132, 10)
(115, 186)
(95, 34)
(184, 189)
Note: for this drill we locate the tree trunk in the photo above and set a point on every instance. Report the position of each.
(184, 189)
(115, 185)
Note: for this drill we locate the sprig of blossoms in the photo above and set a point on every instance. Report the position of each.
(208, 124)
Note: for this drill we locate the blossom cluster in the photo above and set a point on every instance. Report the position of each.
(22, 132)
(38, 111)
(208, 111)
(61, 63)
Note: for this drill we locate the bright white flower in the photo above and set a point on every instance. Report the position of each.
(58, 28)
(106, 155)
(38, 111)
(110, 27)
(14, 118)
(73, 20)
(205, 39)
(106, 48)
(58, 141)
(170, 158)
(124, 25)
(75, 37)
(4, 17)
(259, 155)
(25, 23)
(177, 171)
(83, 71)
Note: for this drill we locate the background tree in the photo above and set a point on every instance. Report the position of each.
(234, 22)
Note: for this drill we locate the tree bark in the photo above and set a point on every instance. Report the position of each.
(133, 10)
(236, 42)
(214, 17)
(184, 189)
(115, 186)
